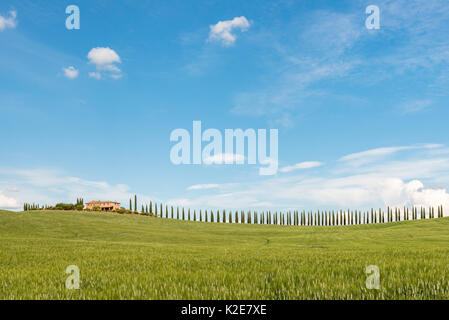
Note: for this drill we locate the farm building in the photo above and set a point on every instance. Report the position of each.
(103, 205)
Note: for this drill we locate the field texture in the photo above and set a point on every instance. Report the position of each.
(138, 257)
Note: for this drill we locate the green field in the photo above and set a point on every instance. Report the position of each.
(138, 257)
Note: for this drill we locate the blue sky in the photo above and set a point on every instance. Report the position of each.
(362, 114)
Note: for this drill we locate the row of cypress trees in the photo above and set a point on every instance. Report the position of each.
(303, 218)
(297, 218)
(32, 206)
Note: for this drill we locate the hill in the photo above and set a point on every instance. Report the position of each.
(138, 257)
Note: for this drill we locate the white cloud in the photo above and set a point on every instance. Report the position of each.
(359, 158)
(70, 72)
(203, 186)
(415, 106)
(95, 75)
(222, 31)
(8, 22)
(301, 165)
(8, 203)
(104, 59)
(372, 153)
(224, 158)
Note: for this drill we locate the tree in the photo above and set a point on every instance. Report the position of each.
(135, 203)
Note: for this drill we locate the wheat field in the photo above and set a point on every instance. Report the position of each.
(141, 257)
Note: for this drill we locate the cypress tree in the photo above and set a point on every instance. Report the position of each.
(135, 203)
(188, 215)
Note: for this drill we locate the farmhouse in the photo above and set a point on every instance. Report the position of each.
(103, 205)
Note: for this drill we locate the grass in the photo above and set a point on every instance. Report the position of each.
(137, 257)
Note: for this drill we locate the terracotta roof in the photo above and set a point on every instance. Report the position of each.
(98, 202)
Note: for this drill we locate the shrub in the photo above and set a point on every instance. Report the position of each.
(65, 206)
(122, 210)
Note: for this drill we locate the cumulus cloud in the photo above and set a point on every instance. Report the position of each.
(421, 196)
(301, 165)
(222, 31)
(8, 203)
(70, 72)
(104, 59)
(8, 21)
